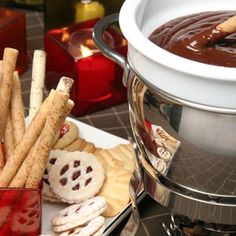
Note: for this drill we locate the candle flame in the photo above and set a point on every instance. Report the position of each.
(85, 51)
(65, 34)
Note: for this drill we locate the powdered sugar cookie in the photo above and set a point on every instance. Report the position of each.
(68, 133)
(76, 177)
(79, 212)
(95, 227)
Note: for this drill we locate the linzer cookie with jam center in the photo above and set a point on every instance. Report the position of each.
(76, 177)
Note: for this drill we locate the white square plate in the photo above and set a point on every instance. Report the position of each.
(100, 139)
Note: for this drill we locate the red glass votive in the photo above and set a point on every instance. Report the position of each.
(13, 34)
(20, 211)
(97, 79)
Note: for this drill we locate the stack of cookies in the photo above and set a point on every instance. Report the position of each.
(78, 171)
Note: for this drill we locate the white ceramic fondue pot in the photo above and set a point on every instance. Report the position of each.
(182, 113)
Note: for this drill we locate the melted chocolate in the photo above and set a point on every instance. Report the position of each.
(184, 36)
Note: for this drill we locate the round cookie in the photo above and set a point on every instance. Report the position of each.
(68, 133)
(76, 177)
(95, 227)
(80, 212)
(47, 192)
(163, 154)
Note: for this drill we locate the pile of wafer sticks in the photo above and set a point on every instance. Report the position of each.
(24, 159)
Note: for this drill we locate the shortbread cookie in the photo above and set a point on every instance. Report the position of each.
(121, 155)
(76, 177)
(115, 190)
(79, 212)
(95, 227)
(80, 144)
(68, 133)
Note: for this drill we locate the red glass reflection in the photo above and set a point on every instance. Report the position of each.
(20, 211)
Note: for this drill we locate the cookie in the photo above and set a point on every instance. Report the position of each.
(163, 154)
(48, 195)
(95, 227)
(79, 212)
(68, 133)
(76, 177)
(115, 190)
(157, 163)
(121, 155)
(47, 192)
(81, 144)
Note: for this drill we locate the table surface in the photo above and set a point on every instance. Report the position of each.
(114, 120)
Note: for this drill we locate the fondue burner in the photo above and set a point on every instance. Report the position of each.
(187, 152)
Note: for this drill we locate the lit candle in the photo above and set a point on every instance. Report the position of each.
(95, 72)
(95, 78)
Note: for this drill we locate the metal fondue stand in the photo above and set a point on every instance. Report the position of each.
(199, 184)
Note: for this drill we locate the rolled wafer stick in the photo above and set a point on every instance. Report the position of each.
(21, 176)
(17, 109)
(31, 135)
(228, 26)
(1, 70)
(46, 138)
(8, 68)
(9, 137)
(65, 84)
(214, 34)
(37, 84)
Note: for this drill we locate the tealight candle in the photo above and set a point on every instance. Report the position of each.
(96, 73)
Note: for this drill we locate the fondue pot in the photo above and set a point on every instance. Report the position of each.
(183, 117)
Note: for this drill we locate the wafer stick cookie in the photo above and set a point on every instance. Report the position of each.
(0, 70)
(17, 109)
(20, 178)
(37, 84)
(46, 138)
(8, 137)
(31, 135)
(8, 67)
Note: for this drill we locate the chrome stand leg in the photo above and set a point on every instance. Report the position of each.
(135, 186)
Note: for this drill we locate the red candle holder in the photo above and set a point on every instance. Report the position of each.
(97, 79)
(20, 211)
(13, 34)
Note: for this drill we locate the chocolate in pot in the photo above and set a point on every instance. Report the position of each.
(186, 37)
